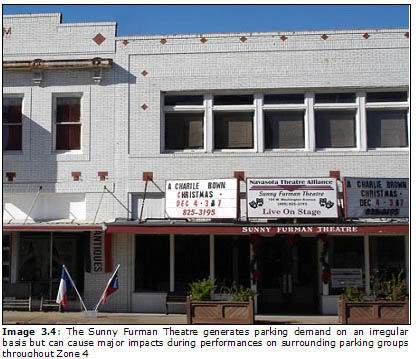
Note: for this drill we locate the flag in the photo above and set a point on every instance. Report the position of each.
(111, 287)
(64, 286)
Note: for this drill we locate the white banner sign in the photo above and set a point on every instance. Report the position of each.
(97, 249)
(376, 197)
(346, 277)
(201, 198)
(292, 198)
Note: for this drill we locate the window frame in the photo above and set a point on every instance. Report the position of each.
(186, 109)
(352, 106)
(21, 124)
(387, 106)
(309, 107)
(285, 108)
(81, 122)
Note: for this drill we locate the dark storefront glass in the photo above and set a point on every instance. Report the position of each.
(191, 260)
(152, 263)
(232, 261)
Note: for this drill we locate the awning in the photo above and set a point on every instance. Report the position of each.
(265, 229)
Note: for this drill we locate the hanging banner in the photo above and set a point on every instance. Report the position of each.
(292, 198)
(201, 198)
(100, 252)
(376, 197)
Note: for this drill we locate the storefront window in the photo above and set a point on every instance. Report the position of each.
(6, 249)
(191, 260)
(152, 263)
(346, 253)
(41, 256)
(387, 257)
(232, 261)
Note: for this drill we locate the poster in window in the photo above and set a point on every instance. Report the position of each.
(376, 197)
(292, 198)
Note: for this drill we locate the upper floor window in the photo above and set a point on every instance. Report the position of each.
(284, 129)
(335, 120)
(335, 129)
(68, 123)
(12, 123)
(184, 122)
(233, 122)
(387, 119)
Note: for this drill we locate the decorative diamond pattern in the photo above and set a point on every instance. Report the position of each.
(283, 38)
(144, 73)
(163, 41)
(324, 37)
(243, 39)
(99, 39)
(125, 42)
(144, 107)
(406, 34)
(204, 40)
(366, 36)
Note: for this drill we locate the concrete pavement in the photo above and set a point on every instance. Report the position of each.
(29, 318)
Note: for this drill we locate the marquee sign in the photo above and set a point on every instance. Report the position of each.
(201, 198)
(292, 198)
(376, 197)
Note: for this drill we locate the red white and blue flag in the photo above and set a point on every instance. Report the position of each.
(64, 286)
(112, 286)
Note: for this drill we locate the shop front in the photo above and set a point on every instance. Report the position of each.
(294, 269)
(33, 255)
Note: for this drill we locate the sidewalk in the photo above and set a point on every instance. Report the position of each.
(29, 318)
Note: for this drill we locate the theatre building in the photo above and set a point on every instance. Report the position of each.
(277, 160)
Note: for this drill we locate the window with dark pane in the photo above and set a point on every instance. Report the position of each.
(233, 100)
(393, 96)
(233, 130)
(387, 128)
(184, 131)
(284, 129)
(12, 124)
(347, 97)
(68, 123)
(335, 129)
(184, 100)
(152, 263)
(191, 260)
(281, 99)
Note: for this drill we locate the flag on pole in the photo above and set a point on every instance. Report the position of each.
(112, 286)
(64, 286)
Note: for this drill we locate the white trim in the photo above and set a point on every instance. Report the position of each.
(259, 121)
(310, 144)
(209, 124)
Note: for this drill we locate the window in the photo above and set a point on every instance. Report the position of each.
(191, 260)
(387, 257)
(6, 250)
(184, 131)
(335, 129)
(341, 97)
(12, 123)
(152, 263)
(233, 130)
(284, 129)
(387, 128)
(68, 123)
(184, 122)
(387, 118)
(233, 122)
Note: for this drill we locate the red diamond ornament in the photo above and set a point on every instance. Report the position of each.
(99, 39)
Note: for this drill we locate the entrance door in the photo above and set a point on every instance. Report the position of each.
(289, 276)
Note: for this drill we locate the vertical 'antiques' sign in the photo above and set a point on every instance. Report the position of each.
(201, 198)
(376, 197)
(97, 248)
(292, 198)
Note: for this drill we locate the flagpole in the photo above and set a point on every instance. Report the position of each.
(109, 281)
(76, 290)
